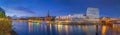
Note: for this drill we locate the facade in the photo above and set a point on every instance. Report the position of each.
(78, 17)
(75, 17)
(92, 13)
(64, 18)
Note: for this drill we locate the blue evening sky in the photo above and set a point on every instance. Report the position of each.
(109, 8)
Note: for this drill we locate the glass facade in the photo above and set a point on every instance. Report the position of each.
(92, 13)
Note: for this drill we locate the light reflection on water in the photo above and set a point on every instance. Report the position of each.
(37, 28)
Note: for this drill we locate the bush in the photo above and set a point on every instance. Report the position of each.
(5, 27)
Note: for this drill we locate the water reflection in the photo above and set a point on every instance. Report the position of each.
(116, 29)
(43, 28)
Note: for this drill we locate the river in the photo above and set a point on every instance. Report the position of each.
(43, 28)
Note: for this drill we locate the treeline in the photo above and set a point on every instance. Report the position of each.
(5, 25)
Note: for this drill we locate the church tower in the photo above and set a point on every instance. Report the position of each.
(48, 14)
(48, 17)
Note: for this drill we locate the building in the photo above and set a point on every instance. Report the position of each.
(78, 17)
(92, 13)
(105, 20)
(48, 17)
(63, 18)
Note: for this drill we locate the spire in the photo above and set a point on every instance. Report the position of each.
(48, 14)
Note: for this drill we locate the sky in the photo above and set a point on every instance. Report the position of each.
(110, 8)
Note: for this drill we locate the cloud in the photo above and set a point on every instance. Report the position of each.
(19, 11)
(23, 9)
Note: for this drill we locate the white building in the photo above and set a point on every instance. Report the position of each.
(63, 18)
(92, 13)
(78, 17)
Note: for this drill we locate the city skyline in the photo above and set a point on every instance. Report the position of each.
(60, 7)
(59, 17)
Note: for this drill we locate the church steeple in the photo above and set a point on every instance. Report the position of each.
(48, 14)
(48, 17)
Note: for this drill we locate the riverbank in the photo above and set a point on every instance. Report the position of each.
(13, 32)
(6, 28)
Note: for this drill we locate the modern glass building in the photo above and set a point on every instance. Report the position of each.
(92, 13)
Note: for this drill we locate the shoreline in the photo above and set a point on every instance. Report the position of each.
(12, 32)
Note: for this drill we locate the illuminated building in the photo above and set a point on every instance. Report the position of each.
(78, 17)
(63, 18)
(48, 17)
(92, 13)
(106, 20)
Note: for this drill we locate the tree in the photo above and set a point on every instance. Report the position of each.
(2, 14)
